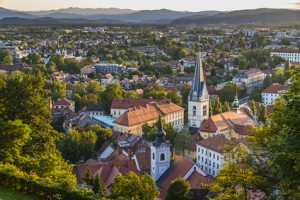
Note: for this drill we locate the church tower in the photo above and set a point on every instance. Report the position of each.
(198, 106)
(160, 153)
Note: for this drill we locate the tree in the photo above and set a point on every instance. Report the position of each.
(78, 145)
(267, 81)
(185, 91)
(183, 141)
(217, 106)
(173, 95)
(103, 134)
(236, 178)
(22, 97)
(5, 57)
(262, 113)
(111, 91)
(88, 176)
(210, 109)
(276, 144)
(58, 89)
(58, 60)
(228, 93)
(253, 107)
(98, 186)
(278, 77)
(134, 187)
(14, 136)
(226, 107)
(35, 58)
(179, 190)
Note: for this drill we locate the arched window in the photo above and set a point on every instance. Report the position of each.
(153, 156)
(162, 156)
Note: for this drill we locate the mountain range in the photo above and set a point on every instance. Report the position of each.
(163, 16)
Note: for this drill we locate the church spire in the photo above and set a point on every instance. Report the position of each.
(160, 133)
(236, 102)
(199, 81)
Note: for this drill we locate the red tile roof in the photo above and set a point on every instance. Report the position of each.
(143, 160)
(198, 181)
(275, 88)
(126, 103)
(63, 102)
(286, 51)
(215, 143)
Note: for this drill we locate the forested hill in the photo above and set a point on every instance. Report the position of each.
(263, 16)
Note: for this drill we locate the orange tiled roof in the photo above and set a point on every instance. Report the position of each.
(227, 120)
(149, 112)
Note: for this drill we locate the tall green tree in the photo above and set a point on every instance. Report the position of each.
(5, 57)
(98, 186)
(179, 190)
(210, 109)
(253, 107)
(226, 107)
(217, 106)
(183, 141)
(262, 115)
(103, 134)
(88, 177)
(173, 95)
(228, 93)
(267, 81)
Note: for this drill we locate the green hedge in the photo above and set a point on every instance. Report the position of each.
(14, 179)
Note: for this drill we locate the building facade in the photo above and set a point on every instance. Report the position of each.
(287, 54)
(272, 92)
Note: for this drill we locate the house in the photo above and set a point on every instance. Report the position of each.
(93, 110)
(272, 92)
(86, 70)
(188, 61)
(64, 103)
(253, 79)
(8, 69)
(134, 118)
(69, 90)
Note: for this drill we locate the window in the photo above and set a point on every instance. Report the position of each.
(202, 151)
(209, 163)
(205, 110)
(198, 149)
(217, 157)
(205, 152)
(214, 172)
(217, 166)
(213, 164)
(202, 159)
(162, 156)
(198, 157)
(209, 154)
(209, 171)
(213, 155)
(194, 110)
(114, 112)
(153, 156)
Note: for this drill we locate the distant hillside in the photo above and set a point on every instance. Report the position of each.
(50, 21)
(263, 15)
(84, 11)
(10, 13)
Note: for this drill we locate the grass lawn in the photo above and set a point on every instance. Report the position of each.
(6, 194)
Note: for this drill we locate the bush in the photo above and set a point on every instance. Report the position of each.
(11, 177)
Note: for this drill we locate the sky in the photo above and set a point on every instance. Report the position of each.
(180, 5)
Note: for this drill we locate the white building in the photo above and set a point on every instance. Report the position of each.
(291, 55)
(210, 156)
(160, 153)
(272, 92)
